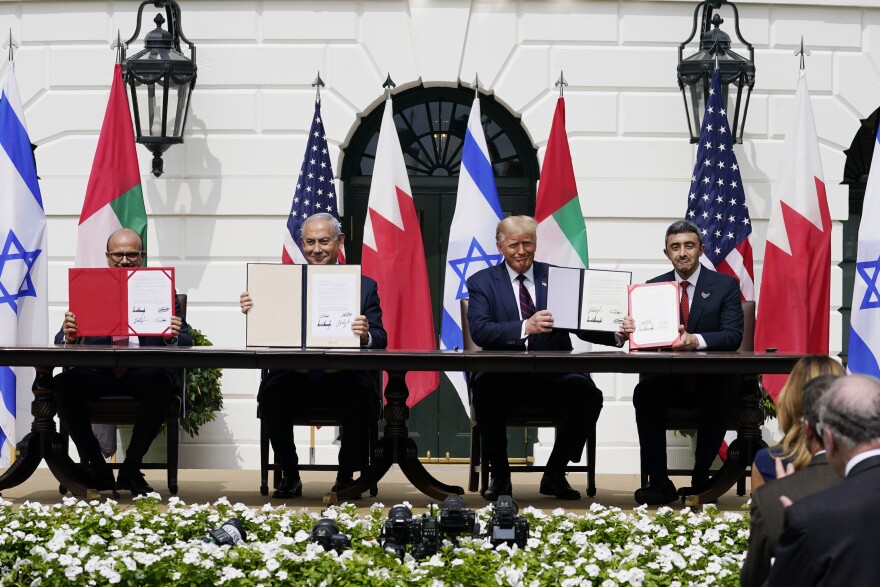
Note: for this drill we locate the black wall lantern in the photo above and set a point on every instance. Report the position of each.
(161, 79)
(695, 71)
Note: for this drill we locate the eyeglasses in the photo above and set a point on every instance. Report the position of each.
(131, 256)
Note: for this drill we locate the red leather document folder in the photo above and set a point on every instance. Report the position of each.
(105, 305)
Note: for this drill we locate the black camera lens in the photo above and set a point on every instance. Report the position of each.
(325, 527)
(400, 513)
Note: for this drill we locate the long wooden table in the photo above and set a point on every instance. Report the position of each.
(44, 441)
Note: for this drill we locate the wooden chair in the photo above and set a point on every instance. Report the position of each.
(122, 410)
(478, 470)
(313, 416)
(685, 419)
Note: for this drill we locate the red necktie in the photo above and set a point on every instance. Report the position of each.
(120, 341)
(685, 304)
(526, 305)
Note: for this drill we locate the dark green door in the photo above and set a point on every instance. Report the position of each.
(431, 125)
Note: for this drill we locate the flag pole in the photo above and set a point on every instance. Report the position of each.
(561, 83)
(802, 51)
(476, 85)
(388, 85)
(120, 48)
(11, 44)
(318, 84)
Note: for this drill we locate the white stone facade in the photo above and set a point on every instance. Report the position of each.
(225, 193)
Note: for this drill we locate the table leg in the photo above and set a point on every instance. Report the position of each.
(396, 447)
(741, 453)
(44, 442)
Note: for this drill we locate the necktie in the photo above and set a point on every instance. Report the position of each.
(120, 341)
(526, 305)
(685, 304)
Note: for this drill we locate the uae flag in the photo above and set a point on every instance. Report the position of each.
(393, 255)
(114, 198)
(562, 234)
(794, 301)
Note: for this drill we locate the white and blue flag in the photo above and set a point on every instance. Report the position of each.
(23, 277)
(864, 331)
(471, 235)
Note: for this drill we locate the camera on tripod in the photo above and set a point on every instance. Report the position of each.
(229, 534)
(326, 533)
(505, 526)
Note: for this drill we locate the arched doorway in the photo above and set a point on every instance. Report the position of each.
(855, 174)
(431, 125)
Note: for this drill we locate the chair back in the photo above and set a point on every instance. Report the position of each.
(748, 342)
(467, 341)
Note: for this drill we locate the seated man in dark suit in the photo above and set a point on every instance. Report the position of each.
(352, 392)
(151, 386)
(508, 311)
(830, 537)
(712, 319)
(765, 521)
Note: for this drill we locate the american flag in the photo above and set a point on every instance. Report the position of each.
(314, 192)
(717, 202)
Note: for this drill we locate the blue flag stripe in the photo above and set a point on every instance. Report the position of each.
(7, 389)
(480, 169)
(14, 140)
(450, 332)
(861, 359)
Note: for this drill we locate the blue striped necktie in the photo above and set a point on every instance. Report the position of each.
(526, 305)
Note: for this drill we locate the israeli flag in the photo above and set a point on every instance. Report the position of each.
(471, 235)
(864, 333)
(23, 277)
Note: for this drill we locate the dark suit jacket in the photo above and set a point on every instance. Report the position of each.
(493, 314)
(371, 309)
(184, 338)
(716, 310)
(767, 514)
(378, 340)
(830, 538)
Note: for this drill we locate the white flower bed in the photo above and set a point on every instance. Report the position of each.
(96, 543)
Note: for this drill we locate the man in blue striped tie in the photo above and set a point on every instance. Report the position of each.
(508, 311)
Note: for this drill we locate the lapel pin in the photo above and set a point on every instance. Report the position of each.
(544, 283)
(705, 294)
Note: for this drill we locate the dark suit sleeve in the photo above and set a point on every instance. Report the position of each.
(482, 311)
(795, 562)
(606, 338)
(757, 564)
(184, 337)
(729, 335)
(373, 311)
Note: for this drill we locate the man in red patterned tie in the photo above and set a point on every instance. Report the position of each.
(508, 311)
(711, 319)
(152, 386)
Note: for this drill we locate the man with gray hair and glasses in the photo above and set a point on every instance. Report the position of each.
(829, 536)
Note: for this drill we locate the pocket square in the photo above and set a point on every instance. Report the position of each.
(705, 294)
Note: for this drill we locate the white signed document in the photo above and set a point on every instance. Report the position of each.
(333, 301)
(587, 299)
(275, 319)
(150, 301)
(654, 308)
